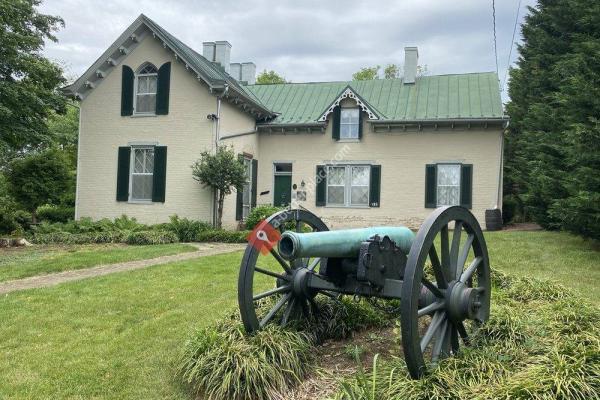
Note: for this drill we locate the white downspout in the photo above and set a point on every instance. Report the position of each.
(78, 172)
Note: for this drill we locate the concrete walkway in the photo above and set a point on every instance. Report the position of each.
(204, 249)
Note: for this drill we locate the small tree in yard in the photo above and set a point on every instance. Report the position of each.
(222, 172)
(40, 178)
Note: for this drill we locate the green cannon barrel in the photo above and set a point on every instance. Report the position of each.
(342, 243)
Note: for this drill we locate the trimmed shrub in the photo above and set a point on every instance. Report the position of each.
(52, 213)
(217, 235)
(151, 237)
(185, 229)
(259, 213)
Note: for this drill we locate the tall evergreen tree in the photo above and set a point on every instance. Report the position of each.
(553, 146)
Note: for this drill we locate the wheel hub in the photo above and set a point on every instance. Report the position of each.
(300, 281)
(463, 302)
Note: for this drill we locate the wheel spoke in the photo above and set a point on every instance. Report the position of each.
(437, 268)
(281, 261)
(454, 339)
(430, 308)
(288, 311)
(437, 319)
(298, 226)
(275, 308)
(314, 264)
(432, 288)
(460, 327)
(455, 248)
(469, 271)
(463, 255)
(271, 292)
(445, 246)
(270, 273)
(439, 342)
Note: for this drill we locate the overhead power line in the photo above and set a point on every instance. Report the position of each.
(495, 41)
(512, 42)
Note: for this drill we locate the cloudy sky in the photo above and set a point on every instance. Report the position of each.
(303, 40)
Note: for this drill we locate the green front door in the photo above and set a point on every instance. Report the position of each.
(283, 190)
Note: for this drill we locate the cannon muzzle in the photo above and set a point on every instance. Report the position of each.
(342, 243)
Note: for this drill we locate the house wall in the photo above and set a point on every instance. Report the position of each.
(185, 131)
(402, 156)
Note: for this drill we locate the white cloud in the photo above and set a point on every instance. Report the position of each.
(302, 40)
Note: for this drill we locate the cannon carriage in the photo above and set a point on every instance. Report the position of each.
(441, 276)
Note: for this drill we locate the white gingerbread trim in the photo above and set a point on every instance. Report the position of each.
(348, 94)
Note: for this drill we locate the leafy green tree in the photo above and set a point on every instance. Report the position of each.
(222, 172)
(28, 81)
(64, 129)
(366, 74)
(40, 178)
(391, 71)
(553, 146)
(269, 77)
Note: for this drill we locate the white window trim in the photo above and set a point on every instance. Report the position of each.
(347, 186)
(131, 173)
(349, 138)
(136, 94)
(437, 186)
(249, 182)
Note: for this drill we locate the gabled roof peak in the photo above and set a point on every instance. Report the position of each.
(349, 93)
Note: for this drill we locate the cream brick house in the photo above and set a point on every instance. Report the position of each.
(355, 153)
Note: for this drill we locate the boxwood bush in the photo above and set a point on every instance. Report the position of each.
(52, 213)
(258, 214)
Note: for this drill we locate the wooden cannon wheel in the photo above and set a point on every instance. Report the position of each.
(442, 300)
(255, 308)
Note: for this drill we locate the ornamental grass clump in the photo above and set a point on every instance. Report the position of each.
(541, 342)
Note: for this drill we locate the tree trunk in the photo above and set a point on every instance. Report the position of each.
(220, 210)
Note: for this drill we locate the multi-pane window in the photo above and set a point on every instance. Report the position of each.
(142, 171)
(246, 194)
(448, 185)
(145, 93)
(348, 185)
(349, 123)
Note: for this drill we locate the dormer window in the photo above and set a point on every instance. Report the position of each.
(349, 123)
(146, 81)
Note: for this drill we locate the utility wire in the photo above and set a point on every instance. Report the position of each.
(512, 42)
(495, 41)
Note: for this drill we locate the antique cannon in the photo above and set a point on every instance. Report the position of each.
(441, 276)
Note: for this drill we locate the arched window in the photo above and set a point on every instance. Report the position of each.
(146, 80)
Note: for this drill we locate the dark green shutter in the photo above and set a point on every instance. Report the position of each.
(254, 182)
(127, 91)
(375, 186)
(159, 179)
(123, 173)
(430, 186)
(335, 120)
(239, 199)
(321, 185)
(466, 185)
(360, 123)
(162, 89)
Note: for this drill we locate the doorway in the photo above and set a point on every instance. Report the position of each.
(282, 191)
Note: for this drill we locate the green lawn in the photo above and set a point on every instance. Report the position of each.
(118, 336)
(22, 262)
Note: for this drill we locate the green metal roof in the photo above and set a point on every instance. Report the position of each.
(458, 96)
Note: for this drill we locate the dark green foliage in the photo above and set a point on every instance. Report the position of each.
(221, 172)
(28, 81)
(151, 237)
(543, 345)
(220, 235)
(40, 178)
(52, 213)
(259, 213)
(269, 77)
(185, 229)
(553, 145)
(223, 362)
